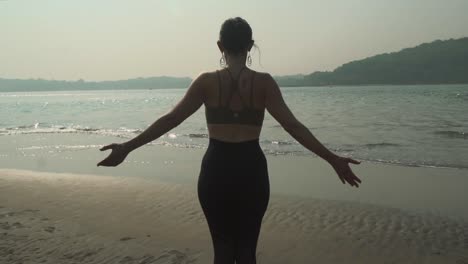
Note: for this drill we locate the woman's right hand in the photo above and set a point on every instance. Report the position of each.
(341, 167)
(117, 156)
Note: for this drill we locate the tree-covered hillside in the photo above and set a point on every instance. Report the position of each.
(430, 63)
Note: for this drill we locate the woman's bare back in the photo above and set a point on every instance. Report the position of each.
(216, 91)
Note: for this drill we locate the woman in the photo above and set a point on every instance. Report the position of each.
(233, 185)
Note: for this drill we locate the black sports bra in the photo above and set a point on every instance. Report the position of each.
(223, 114)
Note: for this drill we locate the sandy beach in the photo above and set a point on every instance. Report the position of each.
(399, 215)
(193, 96)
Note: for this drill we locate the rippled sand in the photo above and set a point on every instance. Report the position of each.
(66, 218)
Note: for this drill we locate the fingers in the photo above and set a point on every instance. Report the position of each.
(111, 146)
(106, 162)
(350, 160)
(351, 179)
(102, 163)
(356, 178)
(352, 182)
(342, 180)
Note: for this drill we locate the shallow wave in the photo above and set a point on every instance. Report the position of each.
(284, 153)
(279, 142)
(42, 94)
(60, 148)
(198, 141)
(452, 134)
(200, 135)
(417, 164)
(41, 128)
(381, 144)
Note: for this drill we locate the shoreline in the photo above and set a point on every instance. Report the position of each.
(185, 87)
(69, 218)
(267, 152)
(424, 189)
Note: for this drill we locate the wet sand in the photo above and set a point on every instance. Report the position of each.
(75, 218)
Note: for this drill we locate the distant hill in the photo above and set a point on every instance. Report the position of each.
(8, 85)
(438, 62)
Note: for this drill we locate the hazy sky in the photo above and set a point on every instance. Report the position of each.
(117, 39)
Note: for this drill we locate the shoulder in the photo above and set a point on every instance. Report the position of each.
(206, 76)
(264, 79)
(203, 80)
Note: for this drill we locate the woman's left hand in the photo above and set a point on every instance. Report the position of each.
(341, 166)
(117, 156)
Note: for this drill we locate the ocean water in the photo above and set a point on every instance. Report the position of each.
(406, 125)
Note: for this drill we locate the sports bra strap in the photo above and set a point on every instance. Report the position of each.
(235, 88)
(219, 88)
(251, 89)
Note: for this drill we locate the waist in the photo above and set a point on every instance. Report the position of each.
(228, 144)
(233, 133)
(242, 149)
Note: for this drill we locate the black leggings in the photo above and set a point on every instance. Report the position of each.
(234, 189)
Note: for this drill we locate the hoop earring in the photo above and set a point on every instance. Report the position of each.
(222, 61)
(249, 60)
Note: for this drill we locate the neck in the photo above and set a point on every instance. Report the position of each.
(235, 63)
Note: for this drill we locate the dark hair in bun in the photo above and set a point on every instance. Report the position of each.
(235, 35)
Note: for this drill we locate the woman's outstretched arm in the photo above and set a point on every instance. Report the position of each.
(189, 104)
(280, 111)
